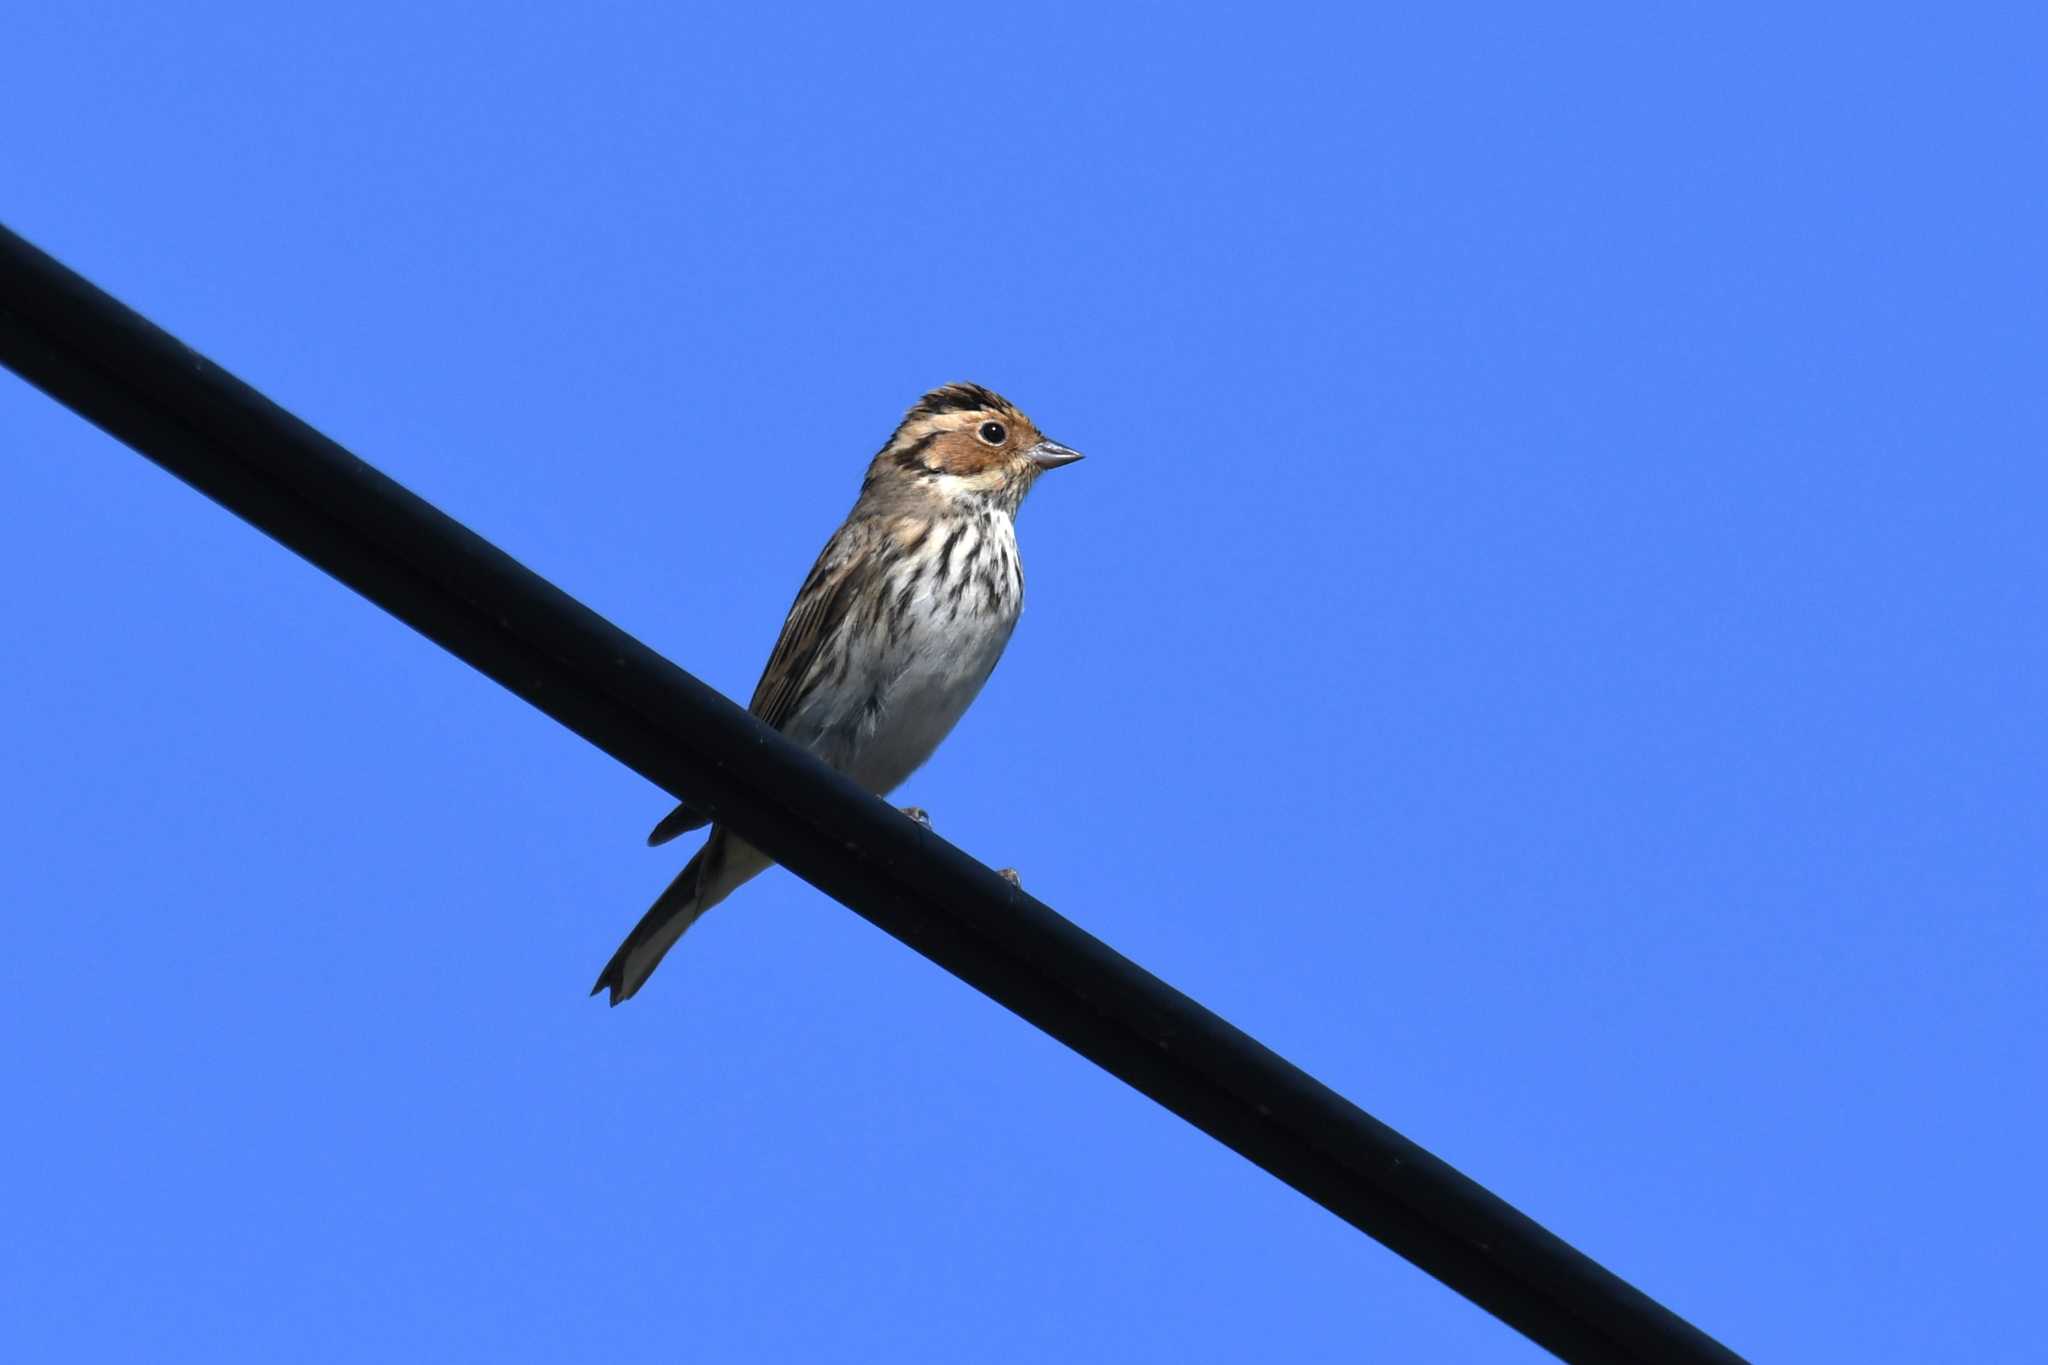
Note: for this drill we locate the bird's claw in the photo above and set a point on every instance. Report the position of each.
(917, 813)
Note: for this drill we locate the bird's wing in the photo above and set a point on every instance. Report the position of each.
(846, 575)
(676, 823)
(847, 569)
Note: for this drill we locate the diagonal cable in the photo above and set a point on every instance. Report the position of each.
(172, 405)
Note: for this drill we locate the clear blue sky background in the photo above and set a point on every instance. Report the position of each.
(1550, 637)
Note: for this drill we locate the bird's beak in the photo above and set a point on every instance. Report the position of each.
(1051, 455)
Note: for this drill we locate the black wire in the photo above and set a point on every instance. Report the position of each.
(117, 370)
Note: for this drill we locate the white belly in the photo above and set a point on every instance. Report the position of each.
(925, 701)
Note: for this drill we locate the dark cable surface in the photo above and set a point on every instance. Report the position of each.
(144, 387)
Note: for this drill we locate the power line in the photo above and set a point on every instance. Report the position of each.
(172, 405)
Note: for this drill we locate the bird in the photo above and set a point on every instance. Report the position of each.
(891, 636)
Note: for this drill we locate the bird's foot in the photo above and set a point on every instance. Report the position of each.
(1009, 874)
(917, 813)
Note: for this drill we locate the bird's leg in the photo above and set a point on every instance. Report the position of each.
(917, 813)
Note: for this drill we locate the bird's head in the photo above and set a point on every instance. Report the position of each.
(964, 442)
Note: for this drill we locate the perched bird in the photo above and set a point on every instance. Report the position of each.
(899, 624)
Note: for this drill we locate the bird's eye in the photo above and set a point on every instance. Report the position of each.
(994, 433)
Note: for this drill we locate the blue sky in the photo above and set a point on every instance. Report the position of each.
(1549, 637)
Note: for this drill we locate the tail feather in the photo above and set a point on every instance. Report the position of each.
(673, 911)
(719, 867)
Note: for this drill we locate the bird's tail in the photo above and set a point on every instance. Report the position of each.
(719, 867)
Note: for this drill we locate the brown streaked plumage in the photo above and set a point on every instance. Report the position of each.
(892, 633)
